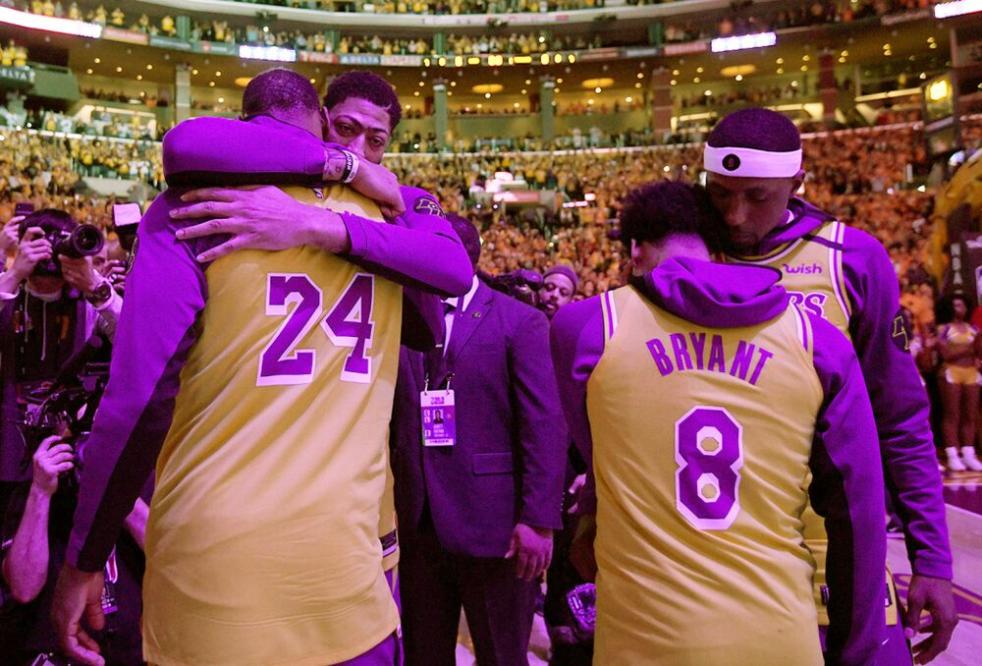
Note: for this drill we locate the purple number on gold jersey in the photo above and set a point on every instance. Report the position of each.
(709, 452)
(280, 363)
(347, 324)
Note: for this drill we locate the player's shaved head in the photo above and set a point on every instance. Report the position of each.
(280, 91)
(756, 128)
(752, 204)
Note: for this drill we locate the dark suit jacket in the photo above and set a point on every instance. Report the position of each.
(510, 455)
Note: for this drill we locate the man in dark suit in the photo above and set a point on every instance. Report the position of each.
(476, 516)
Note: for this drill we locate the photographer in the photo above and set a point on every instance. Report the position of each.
(57, 311)
(34, 539)
(51, 304)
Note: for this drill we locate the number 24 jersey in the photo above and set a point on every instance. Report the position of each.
(263, 540)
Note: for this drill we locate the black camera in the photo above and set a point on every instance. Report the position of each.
(66, 406)
(67, 238)
(522, 284)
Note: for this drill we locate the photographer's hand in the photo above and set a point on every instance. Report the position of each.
(9, 235)
(51, 460)
(33, 248)
(115, 272)
(80, 273)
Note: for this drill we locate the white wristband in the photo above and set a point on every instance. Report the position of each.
(354, 168)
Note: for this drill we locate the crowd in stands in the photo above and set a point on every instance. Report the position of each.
(521, 43)
(859, 175)
(745, 19)
(862, 176)
(33, 165)
(756, 96)
(742, 19)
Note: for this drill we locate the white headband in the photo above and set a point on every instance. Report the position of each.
(751, 163)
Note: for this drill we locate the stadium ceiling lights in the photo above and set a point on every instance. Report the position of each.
(957, 8)
(741, 42)
(50, 23)
(274, 53)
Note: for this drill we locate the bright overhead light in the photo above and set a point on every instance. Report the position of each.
(957, 8)
(741, 42)
(50, 23)
(274, 53)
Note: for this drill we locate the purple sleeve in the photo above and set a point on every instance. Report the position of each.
(900, 403)
(205, 152)
(847, 491)
(164, 295)
(419, 249)
(541, 431)
(577, 336)
(577, 343)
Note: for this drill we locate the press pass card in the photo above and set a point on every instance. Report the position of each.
(438, 418)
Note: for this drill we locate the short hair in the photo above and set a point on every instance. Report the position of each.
(279, 89)
(670, 207)
(757, 128)
(367, 86)
(468, 234)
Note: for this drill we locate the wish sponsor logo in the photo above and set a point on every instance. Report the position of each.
(803, 269)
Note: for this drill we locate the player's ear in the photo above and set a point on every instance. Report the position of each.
(325, 123)
(796, 182)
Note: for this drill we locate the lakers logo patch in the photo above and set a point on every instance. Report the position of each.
(731, 162)
(428, 206)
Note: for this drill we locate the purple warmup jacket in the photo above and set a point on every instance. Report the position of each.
(900, 403)
(218, 151)
(847, 489)
(166, 293)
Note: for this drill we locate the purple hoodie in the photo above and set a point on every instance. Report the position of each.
(899, 401)
(847, 489)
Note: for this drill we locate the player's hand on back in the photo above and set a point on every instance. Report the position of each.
(257, 218)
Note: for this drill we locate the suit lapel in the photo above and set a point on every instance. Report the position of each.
(467, 322)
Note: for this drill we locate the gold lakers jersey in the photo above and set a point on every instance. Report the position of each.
(263, 542)
(811, 272)
(701, 483)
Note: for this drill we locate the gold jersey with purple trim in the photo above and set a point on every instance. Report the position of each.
(263, 540)
(811, 272)
(700, 488)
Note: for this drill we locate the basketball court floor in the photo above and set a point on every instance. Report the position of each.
(963, 495)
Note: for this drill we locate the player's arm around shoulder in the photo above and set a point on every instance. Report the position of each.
(848, 492)
(223, 151)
